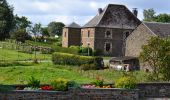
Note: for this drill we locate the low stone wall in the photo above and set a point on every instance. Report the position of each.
(72, 94)
(145, 91)
(154, 90)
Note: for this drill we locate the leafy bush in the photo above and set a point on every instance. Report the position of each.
(98, 82)
(89, 67)
(70, 59)
(13, 63)
(33, 83)
(60, 84)
(65, 50)
(126, 82)
(86, 51)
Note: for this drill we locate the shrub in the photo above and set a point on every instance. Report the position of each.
(89, 67)
(60, 84)
(70, 59)
(86, 51)
(98, 82)
(126, 82)
(65, 50)
(33, 83)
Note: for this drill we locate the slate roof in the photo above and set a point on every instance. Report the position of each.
(114, 16)
(160, 29)
(73, 25)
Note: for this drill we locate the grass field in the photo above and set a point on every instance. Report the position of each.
(14, 55)
(45, 72)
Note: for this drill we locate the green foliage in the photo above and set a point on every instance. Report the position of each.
(33, 83)
(73, 84)
(165, 18)
(6, 19)
(89, 67)
(156, 55)
(21, 22)
(98, 82)
(13, 63)
(20, 35)
(127, 82)
(86, 51)
(149, 15)
(71, 59)
(65, 50)
(5, 88)
(60, 84)
(45, 32)
(55, 28)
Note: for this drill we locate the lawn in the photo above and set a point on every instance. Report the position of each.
(45, 72)
(6, 54)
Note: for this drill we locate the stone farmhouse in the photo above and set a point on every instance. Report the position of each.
(106, 32)
(115, 30)
(141, 34)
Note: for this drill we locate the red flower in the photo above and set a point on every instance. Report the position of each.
(46, 88)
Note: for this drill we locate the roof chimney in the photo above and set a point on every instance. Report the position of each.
(100, 11)
(135, 11)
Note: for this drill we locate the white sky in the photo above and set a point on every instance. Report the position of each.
(80, 11)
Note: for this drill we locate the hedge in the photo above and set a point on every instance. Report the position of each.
(71, 59)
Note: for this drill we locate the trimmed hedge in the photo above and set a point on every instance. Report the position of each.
(71, 59)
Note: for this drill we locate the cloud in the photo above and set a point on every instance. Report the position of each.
(45, 11)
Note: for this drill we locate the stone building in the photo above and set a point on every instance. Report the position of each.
(141, 34)
(108, 30)
(71, 35)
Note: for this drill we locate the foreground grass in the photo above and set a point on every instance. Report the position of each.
(14, 55)
(45, 72)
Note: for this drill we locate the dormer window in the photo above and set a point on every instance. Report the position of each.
(108, 34)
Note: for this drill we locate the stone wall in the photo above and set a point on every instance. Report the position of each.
(80, 94)
(144, 91)
(71, 36)
(136, 39)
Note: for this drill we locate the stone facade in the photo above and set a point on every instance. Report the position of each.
(107, 31)
(136, 39)
(71, 36)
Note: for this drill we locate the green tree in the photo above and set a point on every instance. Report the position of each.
(157, 55)
(149, 14)
(45, 32)
(6, 19)
(21, 22)
(21, 35)
(165, 18)
(55, 28)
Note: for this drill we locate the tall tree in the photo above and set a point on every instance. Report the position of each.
(165, 18)
(55, 28)
(149, 14)
(6, 19)
(45, 31)
(21, 22)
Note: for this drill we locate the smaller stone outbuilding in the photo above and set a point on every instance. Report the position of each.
(124, 63)
(141, 35)
(71, 35)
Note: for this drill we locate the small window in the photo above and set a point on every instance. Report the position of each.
(88, 33)
(108, 34)
(127, 34)
(65, 34)
(108, 47)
